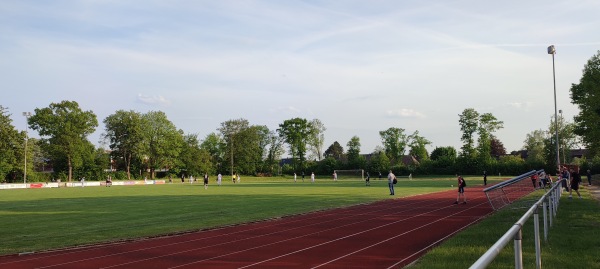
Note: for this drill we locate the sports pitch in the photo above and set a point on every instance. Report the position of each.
(44, 219)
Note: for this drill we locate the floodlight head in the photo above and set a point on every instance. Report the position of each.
(27, 114)
(551, 49)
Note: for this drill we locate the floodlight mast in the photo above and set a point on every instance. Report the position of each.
(552, 50)
(27, 115)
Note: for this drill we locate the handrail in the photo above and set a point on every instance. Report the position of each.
(510, 181)
(515, 231)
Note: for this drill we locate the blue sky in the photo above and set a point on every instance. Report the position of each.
(360, 67)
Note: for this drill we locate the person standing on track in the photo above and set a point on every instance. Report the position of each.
(391, 178)
(461, 190)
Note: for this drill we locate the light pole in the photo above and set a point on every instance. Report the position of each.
(552, 50)
(561, 126)
(27, 115)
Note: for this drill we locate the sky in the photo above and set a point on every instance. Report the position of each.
(358, 66)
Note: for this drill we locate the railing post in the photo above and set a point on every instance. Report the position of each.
(536, 238)
(519, 249)
(545, 205)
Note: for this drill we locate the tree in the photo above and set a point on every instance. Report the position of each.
(534, 144)
(316, 138)
(275, 150)
(229, 130)
(469, 121)
(379, 162)
(64, 127)
(123, 130)
(195, 160)
(354, 158)
(586, 95)
(162, 142)
(295, 132)
(443, 153)
(487, 125)
(215, 146)
(335, 150)
(417, 146)
(11, 146)
(394, 141)
(497, 147)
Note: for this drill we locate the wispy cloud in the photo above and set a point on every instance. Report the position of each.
(156, 100)
(404, 113)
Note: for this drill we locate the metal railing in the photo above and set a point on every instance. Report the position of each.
(549, 203)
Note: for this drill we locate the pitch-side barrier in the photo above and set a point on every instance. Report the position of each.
(549, 204)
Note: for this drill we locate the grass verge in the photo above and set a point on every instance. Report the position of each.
(573, 240)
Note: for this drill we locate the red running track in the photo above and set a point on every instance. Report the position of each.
(386, 234)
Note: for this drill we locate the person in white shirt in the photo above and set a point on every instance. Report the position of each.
(391, 178)
(312, 177)
(294, 177)
(219, 178)
(334, 176)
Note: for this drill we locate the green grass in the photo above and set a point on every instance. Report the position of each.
(43, 219)
(573, 240)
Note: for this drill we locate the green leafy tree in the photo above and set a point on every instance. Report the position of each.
(379, 162)
(417, 146)
(64, 128)
(354, 158)
(443, 153)
(335, 150)
(230, 131)
(162, 142)
(469, 122)
(316, 138)
(195, 160)
(487, 125)
(123, 130)
(215, 146)
(295, 133)
(11, 147)
(394, 142)
(534, 144)
(275, 151)
(586, 95)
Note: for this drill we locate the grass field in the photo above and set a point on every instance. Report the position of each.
(573, 240)
(42, 219)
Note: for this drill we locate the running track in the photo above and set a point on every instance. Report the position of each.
(386, 234)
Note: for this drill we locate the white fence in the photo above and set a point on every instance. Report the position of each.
(549, 204)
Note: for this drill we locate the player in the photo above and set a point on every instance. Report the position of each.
(368, 180)
(83, 182)
(205, 181)
(233, 177)
(391, 178)
(312, 177)
(461, 190)
(334, 176)
(575, 180)
(219, 178)
(108, 181)
(294, 177)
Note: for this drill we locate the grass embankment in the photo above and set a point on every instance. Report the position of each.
(573, 240)
(43, 219)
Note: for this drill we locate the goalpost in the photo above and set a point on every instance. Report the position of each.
(351, 174)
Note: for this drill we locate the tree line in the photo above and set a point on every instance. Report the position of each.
(149, 144)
